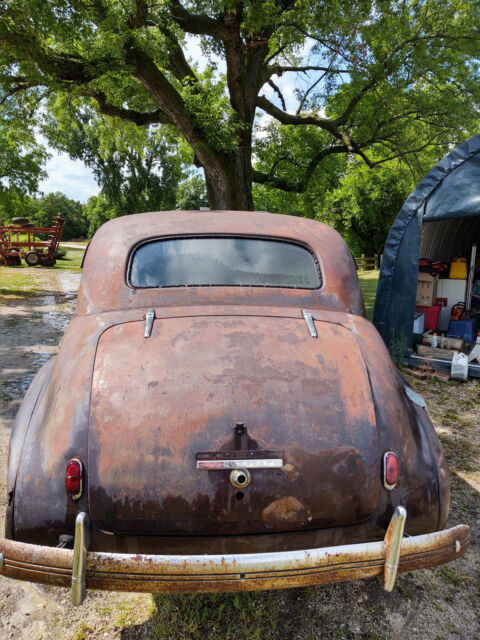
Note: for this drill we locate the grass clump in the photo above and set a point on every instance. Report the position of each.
(82, 631)
(243, 616)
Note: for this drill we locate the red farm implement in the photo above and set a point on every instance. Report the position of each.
(36, 245)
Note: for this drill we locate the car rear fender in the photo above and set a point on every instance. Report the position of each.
(23, 418)
(19, 432)
(404, 427)
(57, 431)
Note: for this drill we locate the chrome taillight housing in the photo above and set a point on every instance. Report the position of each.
(74, 478)
(390, 470)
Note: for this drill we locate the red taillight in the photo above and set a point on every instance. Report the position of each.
(390, 470)
(73, 478)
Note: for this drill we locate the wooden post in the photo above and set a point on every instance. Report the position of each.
(363, 263)
(376, 261)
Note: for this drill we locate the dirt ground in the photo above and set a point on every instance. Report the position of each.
(438, 603)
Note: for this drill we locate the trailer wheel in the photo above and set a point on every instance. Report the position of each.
(32, 258)
(48, 261)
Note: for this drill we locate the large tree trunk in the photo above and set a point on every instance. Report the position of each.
(229, 180)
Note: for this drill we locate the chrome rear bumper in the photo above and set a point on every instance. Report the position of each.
(221, 573)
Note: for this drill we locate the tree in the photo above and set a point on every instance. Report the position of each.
(137, 167)
(97, 211)
(192, 194)
(362, 209)
(380, 79)
(21, 161)
(46, 208)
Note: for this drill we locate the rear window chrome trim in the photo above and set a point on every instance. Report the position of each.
(252, 236)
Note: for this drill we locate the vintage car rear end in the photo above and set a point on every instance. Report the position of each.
(226, 418)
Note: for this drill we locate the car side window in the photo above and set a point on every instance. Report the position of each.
(223, 261)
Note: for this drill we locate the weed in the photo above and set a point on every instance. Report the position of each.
(450, 577)
(104, 611)
(406, 589)
(121, 619)
(81, 632)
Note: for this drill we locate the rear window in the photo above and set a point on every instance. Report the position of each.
(223, 261)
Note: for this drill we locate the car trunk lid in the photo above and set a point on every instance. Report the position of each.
(162, 404)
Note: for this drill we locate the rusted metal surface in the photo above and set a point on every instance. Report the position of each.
(263, 370)
(221, 373)
(190, 574)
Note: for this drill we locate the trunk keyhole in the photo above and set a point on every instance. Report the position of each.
(240, 478)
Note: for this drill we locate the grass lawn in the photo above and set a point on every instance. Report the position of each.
(368, 284)
(73, 259)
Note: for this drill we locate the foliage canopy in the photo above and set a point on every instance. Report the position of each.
(373, 80)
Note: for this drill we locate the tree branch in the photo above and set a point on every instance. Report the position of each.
(138, 117)
(277, 69)
(300, 185)
(306, 94)
(316, 121)
(278, 183)
(279, 94)
(197, 24)
(401, 154)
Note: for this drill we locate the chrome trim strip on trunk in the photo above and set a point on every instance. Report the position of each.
(149, 318)
(310, 323)
(263, 463)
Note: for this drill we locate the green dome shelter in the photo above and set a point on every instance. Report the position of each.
(441, 220)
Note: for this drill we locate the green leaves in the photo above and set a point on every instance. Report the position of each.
(370, 80)
(207, 103)
(21, 157)
(137, 168)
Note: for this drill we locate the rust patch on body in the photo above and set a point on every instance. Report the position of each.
(286, 513)
(290, 472)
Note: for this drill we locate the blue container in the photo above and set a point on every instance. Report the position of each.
(465, 329)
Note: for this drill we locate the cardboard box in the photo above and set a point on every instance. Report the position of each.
(426, 290)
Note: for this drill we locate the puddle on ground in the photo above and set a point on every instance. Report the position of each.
(57, 306)
(30, 332)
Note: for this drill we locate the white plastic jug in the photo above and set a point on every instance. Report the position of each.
(459, 369)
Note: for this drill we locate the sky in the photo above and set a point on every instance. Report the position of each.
(71, 177)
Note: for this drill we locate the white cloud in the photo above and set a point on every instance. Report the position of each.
(71, 177)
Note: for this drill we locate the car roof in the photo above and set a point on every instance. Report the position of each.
(104, 281)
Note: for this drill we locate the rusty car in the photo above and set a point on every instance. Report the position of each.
(222, 416)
